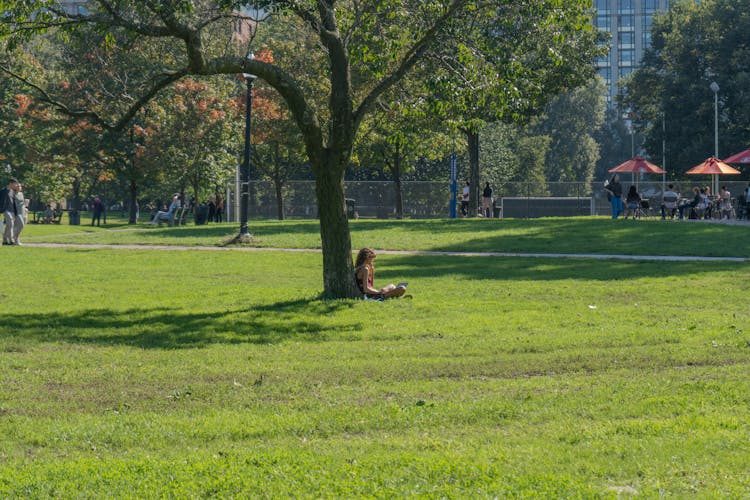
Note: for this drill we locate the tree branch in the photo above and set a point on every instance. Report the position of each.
(411, 57)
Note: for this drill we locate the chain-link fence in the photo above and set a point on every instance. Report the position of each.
(374, 199)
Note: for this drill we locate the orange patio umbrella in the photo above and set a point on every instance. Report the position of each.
(713, 167)
(741, 157)
(637, 165)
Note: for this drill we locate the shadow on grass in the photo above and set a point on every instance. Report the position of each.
(165, 328)
(412, 267)
(601, 236)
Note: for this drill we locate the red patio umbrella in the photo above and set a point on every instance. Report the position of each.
(741, 157)
(637, 165)
(713, 167)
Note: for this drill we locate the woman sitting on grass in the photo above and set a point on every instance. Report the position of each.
(365, 274)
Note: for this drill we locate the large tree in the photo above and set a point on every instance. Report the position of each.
(571, 120)
(693, 45)
(524, 48)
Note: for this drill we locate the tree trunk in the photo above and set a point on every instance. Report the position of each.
(279, 185)
(397, 181)
(473, 145)
(77, 193)
(133, 203)
(338, 269)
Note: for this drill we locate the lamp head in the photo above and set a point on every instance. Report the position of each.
(714, 87)
(250, 57)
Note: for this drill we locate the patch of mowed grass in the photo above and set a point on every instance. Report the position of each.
(170, 373)
(586, 235)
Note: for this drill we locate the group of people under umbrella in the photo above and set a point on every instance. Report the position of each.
(712, 166)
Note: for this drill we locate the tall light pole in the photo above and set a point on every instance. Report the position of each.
(715, 90)
(663, 150)
(245, 172)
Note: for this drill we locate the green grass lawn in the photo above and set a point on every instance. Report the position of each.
(557, 235)
(157, 373)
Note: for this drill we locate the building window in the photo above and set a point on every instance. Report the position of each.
(602, 22)
(601, 5)
(626, 22)
(625, 6)
(627, 57)
(627, 40)
(646, 39)
(606, 74)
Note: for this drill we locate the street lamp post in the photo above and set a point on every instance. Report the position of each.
(715, 90)
(245, 173)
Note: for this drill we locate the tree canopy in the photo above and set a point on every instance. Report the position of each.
(352, 53)
(693, 45)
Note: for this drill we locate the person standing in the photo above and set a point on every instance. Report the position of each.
(614, 191)
(7, 207)
(219, 206)
(18, 206)
(96, 211)
(465, 199)
(487, 201)
(211, 209)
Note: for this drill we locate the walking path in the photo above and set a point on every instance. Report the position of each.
(678, 258)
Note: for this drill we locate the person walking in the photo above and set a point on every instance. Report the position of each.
(96, 211)
(465, 199)
(487, 201)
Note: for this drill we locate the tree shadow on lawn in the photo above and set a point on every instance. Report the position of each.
(165, 328)
(412, 267)
(629, 238)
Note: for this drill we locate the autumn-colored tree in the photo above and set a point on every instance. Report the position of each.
(193, 136)
(277, 145)
(524, 49)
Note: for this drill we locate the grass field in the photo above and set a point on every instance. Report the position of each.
(158, 373)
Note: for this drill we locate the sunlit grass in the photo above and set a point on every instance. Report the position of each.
(158, 373)
(550, 235)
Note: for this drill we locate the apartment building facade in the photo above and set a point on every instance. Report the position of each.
(629, 24)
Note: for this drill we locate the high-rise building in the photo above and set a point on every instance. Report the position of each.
(74, 6)
(629, 24)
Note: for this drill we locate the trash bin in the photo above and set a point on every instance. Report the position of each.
(201, 214)
(351, 208)
(74, 216)
(497, 211)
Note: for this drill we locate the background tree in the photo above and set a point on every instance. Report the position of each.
(570, 121)
(196, 137)
(507, 69)
(694, 44)
(395, 137)
(614, 140)
(514, 160)
(525, 49)
(277, 145)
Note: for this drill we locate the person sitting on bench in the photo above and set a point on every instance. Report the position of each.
(165, 216)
